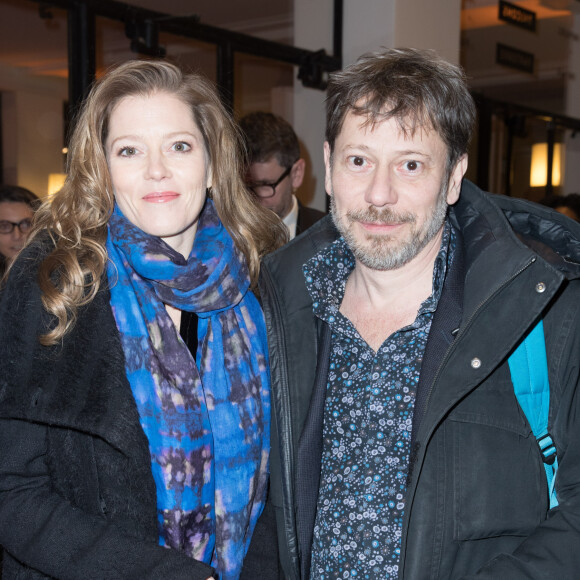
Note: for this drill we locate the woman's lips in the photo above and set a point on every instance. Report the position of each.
(161, 196)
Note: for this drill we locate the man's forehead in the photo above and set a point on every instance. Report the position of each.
(360, 129)
(408, 126)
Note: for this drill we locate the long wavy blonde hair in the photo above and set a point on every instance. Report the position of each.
(76, 218)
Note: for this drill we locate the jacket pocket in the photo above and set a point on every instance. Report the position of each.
(498, 475)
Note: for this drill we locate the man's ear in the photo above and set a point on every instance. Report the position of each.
(297, 173)
(327, 164)
(454, 186)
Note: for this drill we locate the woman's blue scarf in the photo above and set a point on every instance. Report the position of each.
(208, 429)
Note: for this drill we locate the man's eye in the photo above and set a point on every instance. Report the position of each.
(411, 165)
(357, 161)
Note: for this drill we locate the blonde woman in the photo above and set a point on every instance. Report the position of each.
(134, 391)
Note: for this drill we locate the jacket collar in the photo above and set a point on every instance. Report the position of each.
(506, 287)
(500, 263)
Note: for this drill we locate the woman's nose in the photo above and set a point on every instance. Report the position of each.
(157, 167)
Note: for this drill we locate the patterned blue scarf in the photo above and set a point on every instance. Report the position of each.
(208, 430)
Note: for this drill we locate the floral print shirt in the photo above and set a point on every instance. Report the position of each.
(368, 419)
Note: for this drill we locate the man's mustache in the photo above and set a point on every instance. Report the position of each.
(384, 216)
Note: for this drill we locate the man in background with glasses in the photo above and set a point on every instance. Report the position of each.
(17, 205)
(276, 169)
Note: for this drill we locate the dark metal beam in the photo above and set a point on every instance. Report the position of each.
(225, 74)
(509, 109)
(143, 26)
(509, 161)
(81, 53)
(551, 138)
(191, 27)
(484, 133)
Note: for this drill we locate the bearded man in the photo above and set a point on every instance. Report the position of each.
(399, 449)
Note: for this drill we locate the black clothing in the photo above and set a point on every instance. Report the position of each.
(77, 496)
(477, 501)
(188, 331)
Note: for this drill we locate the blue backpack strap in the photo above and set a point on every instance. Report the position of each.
(529, 371)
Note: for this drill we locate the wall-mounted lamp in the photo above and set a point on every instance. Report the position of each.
(55, 182)
(539, 168)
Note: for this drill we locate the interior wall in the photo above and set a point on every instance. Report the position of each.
(39, 140)
(437, 28)
(369, 28)
(32, 128)
(312, 30)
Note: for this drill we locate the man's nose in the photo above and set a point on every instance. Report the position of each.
(382, 190)
(17, 235)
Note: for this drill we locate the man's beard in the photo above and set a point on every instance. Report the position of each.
(382, 251)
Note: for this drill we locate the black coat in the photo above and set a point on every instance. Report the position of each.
(477, 501)
(77, 496)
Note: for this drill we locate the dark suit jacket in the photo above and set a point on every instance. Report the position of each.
(307, 216)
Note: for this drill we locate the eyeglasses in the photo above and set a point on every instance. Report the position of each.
(266, 190)
(7, 227)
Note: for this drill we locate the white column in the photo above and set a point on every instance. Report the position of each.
(312, 30)
(368, 25)
(424, 24)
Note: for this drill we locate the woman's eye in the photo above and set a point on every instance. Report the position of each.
(181, 146)
(127, 151)
(411, 165)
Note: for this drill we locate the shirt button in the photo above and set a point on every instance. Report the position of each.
(540, 287)
(475, 363)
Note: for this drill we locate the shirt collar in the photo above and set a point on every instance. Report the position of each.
(291, 219)
(326, 274)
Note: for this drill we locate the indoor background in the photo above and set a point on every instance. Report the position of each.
(522, 59)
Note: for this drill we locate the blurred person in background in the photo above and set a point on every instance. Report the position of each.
(276, 170)
(17, 205)
(134, 408)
